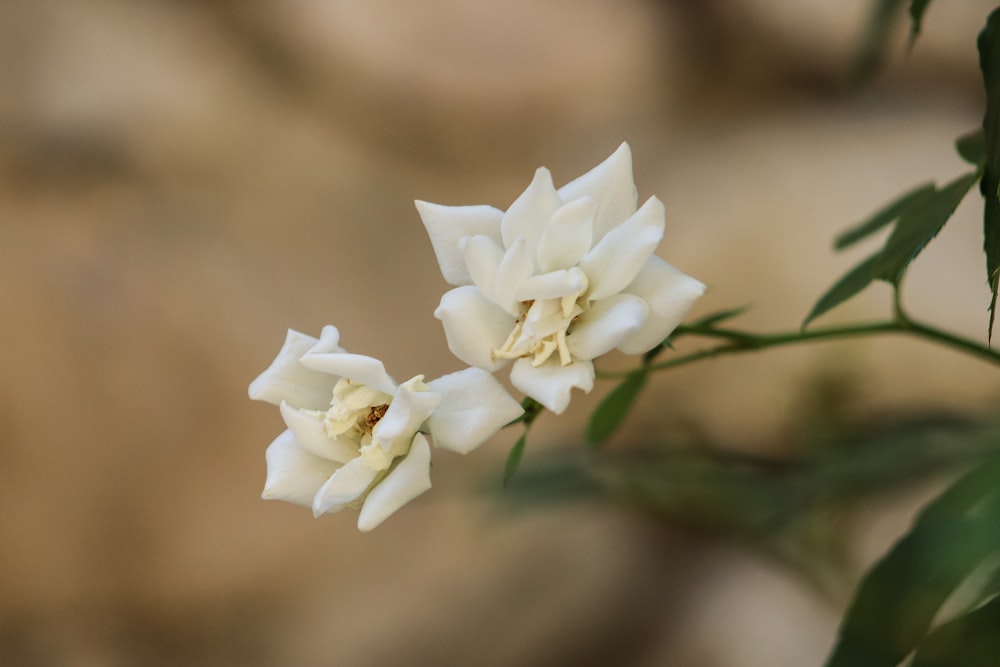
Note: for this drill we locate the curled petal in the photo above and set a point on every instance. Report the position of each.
(287, 380)
(606, 324)
(293, 474)
(474, 406)
(410, 478)
(448, 225)
(329, 341)
(611, 187)
(347, 484)
(474, 326)
(483, 257)
(355, 367)
(550, 384)
(567, 236)
(310, 434)
(618, 257)
(670, 295)
(412, 404)
(529, 213)
(515, 268)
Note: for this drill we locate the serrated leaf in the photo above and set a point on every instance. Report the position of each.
(611, 411)
(972, 640)
(917, 9)
(972, 147)
(883, 216)
(514, 458)
(853, 282)
(899, 597)
(918, 226)
(989, 63)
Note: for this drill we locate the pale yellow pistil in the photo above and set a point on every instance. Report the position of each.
(540, 330)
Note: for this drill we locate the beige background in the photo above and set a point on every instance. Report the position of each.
(180, 182)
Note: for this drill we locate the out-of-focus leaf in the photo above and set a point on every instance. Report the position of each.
(972, 147)
(883, 216)
(514, 458)
(611, 411)
(917, 9)
(972, 640)
(853, 282)
(989, 63)
(718, 317)
(899, 597)
(871, 51)
(918, 225)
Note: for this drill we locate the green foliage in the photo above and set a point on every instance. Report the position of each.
(989, 63)
(972, 640)
(514, 458)
(884, 216)
(899, 598)
(917, 9)
(853, 282)
(611, 411)
(972, 147)
(871, 50)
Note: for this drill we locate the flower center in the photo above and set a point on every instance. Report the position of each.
(354, 411)
(540, 330)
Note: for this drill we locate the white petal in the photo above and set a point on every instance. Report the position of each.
(287, 380)
(355, 367)
(482, 257)
(329, 341)
(409, 409)
(605, 325)
(530, 212)
(670, 295)
(410, 478)
(618, 257)
(474, 406)
(552, 285)
(347, 484)
(448, 225)
(550, 383)
(473, 326)
(611, 187)
(567, 236)
(293, 474)
(515, 267)
(310, 434)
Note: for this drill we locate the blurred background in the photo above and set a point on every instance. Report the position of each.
(180, 182)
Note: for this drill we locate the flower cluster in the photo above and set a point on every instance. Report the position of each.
(560, 278)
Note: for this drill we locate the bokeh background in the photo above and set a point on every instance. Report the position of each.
(182, 181)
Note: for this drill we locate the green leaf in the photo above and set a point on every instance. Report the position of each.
(972, 640)
(611, 411)
(972, 147)
(884, 216)
(899, 597)
(871, 51)
(718, 317)
(514, 458)
(853, 282)
(917, 9)
(989, 63)
(918, 225)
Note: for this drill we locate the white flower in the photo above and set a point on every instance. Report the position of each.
(355, 437)
(563, 276)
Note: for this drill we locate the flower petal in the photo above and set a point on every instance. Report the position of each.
(483, 256)
(550, 383)
(605, 325)
(410, 478)
(515, 268)
(670, 295)
(552, 285)
(618, 257)
(329, 341)
(448, 225)
(474, 406)
(474, 326)
(293, 474)
(611, 187)
(348, 483)
(530, 212)
(412, 404)
(355, 367)
(287, 380)
(567, 236)
(310, 434)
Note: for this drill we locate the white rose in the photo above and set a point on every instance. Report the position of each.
(355, 437)
(563, 276)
